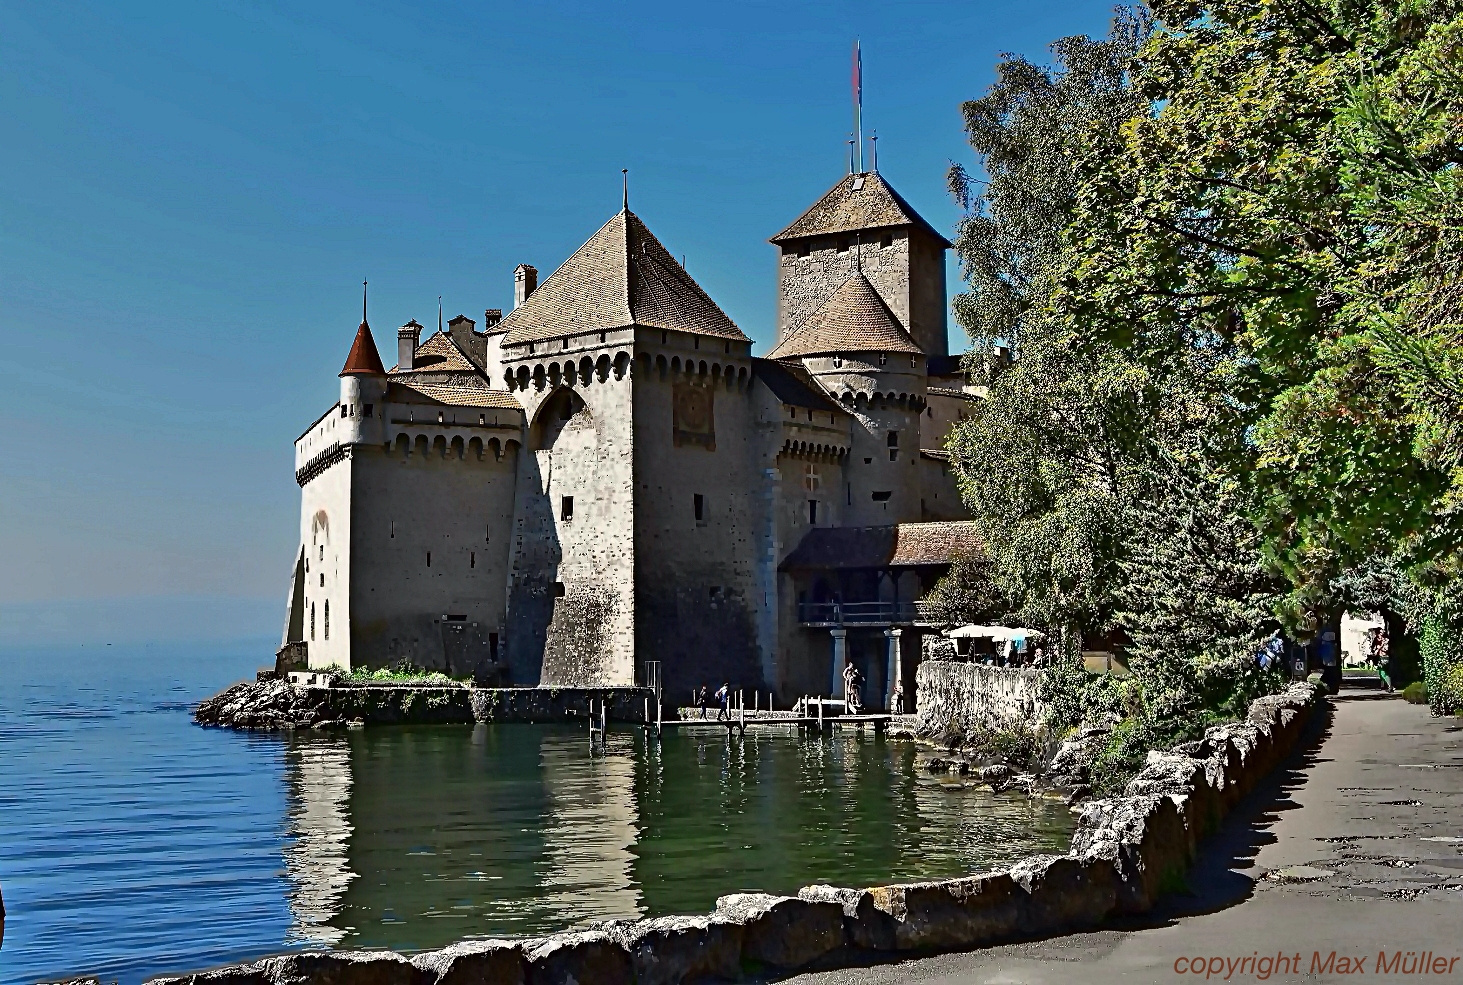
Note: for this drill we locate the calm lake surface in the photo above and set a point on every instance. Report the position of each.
(134, 843)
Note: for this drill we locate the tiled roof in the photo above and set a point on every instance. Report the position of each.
(455, 396)
(907, 545)
(859, 201)
(439, 354)
(363, 359)
(854, 319)
(623, 276)
(935, 454)
(792, 385)
(945, 391)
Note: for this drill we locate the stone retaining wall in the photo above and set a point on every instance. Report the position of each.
(1125, 852)
(965, 696)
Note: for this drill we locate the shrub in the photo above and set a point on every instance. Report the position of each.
(1416, 693)
(1442, 664)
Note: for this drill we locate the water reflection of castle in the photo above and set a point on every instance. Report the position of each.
(416, 837)
(527, 830)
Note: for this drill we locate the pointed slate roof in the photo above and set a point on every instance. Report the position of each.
(854, 319)
(858, 201)
(439, 354)
(363, 359)
(623, 276)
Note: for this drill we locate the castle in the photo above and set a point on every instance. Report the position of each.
(607, 479)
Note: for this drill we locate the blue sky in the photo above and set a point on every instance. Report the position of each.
(191, 194)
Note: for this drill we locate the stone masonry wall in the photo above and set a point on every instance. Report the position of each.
(964, 696)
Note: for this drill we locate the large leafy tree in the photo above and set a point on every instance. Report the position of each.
(1290, 193)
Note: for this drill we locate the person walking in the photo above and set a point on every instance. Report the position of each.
(702, 700)
(1381, 656)
(723, 695)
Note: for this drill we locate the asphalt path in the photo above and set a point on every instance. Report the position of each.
(1354, 847)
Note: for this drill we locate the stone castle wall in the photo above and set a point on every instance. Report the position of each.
(572, 591)
(804, 283)
(430, 546)
(700, 603)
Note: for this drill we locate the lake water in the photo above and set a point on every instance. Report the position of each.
(134, 843)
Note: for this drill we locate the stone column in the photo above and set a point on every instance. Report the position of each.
(840, 649)
(896, 668)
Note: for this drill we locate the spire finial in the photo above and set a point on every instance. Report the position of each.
(439, 314)
(875, 141)
(363, 302)
(850, 153)
(625, 180)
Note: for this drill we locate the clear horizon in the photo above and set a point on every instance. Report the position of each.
(191, 197)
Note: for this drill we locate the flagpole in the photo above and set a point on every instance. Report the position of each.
(858, 107)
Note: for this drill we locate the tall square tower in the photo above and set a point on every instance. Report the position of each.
(863, 222)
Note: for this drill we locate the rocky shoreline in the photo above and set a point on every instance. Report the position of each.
(277, 703)
(1126, 852)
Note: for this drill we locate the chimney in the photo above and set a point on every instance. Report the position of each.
(491, 317)
(408, 337)
(525, 280)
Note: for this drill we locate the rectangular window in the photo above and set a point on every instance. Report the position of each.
(322, 579)
(344, 410)
(887, 240)
(472, 559)
(813, 511)
(493, 646)
(843, 245)
(893, 446)
(429, 559)
(850, 493)
(393, 529)
(566, 508)
(882, 496)
(699, 504)
(369, 409)
(327, 619)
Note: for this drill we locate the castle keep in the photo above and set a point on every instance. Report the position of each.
(608, 476)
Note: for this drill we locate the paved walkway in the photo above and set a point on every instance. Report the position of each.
(1355, 847)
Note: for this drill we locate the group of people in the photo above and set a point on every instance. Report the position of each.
(723, 699)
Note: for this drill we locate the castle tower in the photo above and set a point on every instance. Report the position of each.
(855, 348)
(636, 483)
(362, 389)
(902, 255)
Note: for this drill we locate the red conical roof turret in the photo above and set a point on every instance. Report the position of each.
(363, 360)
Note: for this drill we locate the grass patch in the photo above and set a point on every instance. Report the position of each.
(401, 673)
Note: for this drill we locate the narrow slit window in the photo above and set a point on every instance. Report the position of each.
(429, 559)
(699, 505)
(566, 508)
(312, 620)
(472, 559)
(327, 619)
(813, 512)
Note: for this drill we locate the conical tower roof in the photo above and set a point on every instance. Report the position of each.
(854, 319)
(363, 360)
(858, 201)
(622, 276)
